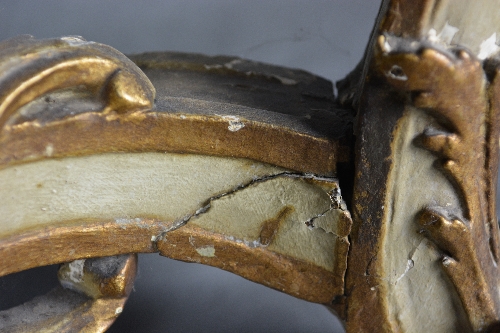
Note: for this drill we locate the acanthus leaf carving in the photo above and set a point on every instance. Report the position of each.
(451, 86)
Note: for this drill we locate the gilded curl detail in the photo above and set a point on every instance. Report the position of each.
(33, 68)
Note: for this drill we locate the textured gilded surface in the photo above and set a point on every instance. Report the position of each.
(34, 68)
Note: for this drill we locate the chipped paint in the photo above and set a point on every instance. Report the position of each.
(75, 40)
(49, 150)
(445, 36)
(75, 273)
(234, 123)
(123, 222)
(284, 80)
(206, 251)
(233, 62)
(448, 32)
(216, 66)
(228, 65)
(386, 47)
(447, 261)
(251, 244)
(409, 265)
(488, 47)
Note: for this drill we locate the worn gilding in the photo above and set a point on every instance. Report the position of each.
(96, 161)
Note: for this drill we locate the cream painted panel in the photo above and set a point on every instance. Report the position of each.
(170, 187)
(473, 24)
(242, 214)
(420, 298)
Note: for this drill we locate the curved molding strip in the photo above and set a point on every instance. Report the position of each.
(279, 228)
(266, 113)
(230, 165)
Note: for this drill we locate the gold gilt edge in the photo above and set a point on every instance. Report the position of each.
(64, 243)
(93, 133)
(114, 110)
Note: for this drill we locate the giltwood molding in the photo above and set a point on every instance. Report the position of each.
(231, 164)
(425, 232)
(239, 165)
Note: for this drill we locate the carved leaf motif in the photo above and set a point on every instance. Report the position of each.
(451, 86)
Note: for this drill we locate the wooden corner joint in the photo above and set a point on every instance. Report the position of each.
(97, 162)
(100, 159)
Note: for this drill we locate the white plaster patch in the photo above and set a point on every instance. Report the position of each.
(446, 261)
(445, 36)
(74, 40)
(216, 66)
(284, 80)
(207, 251)
(432, 35)
(49, 150)
(75, 273)
(387, 47)
(123, 222)
(488, 47)
(228, 65)
(233, 62)
(409, 265)
(252, 244)
(234, 123)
